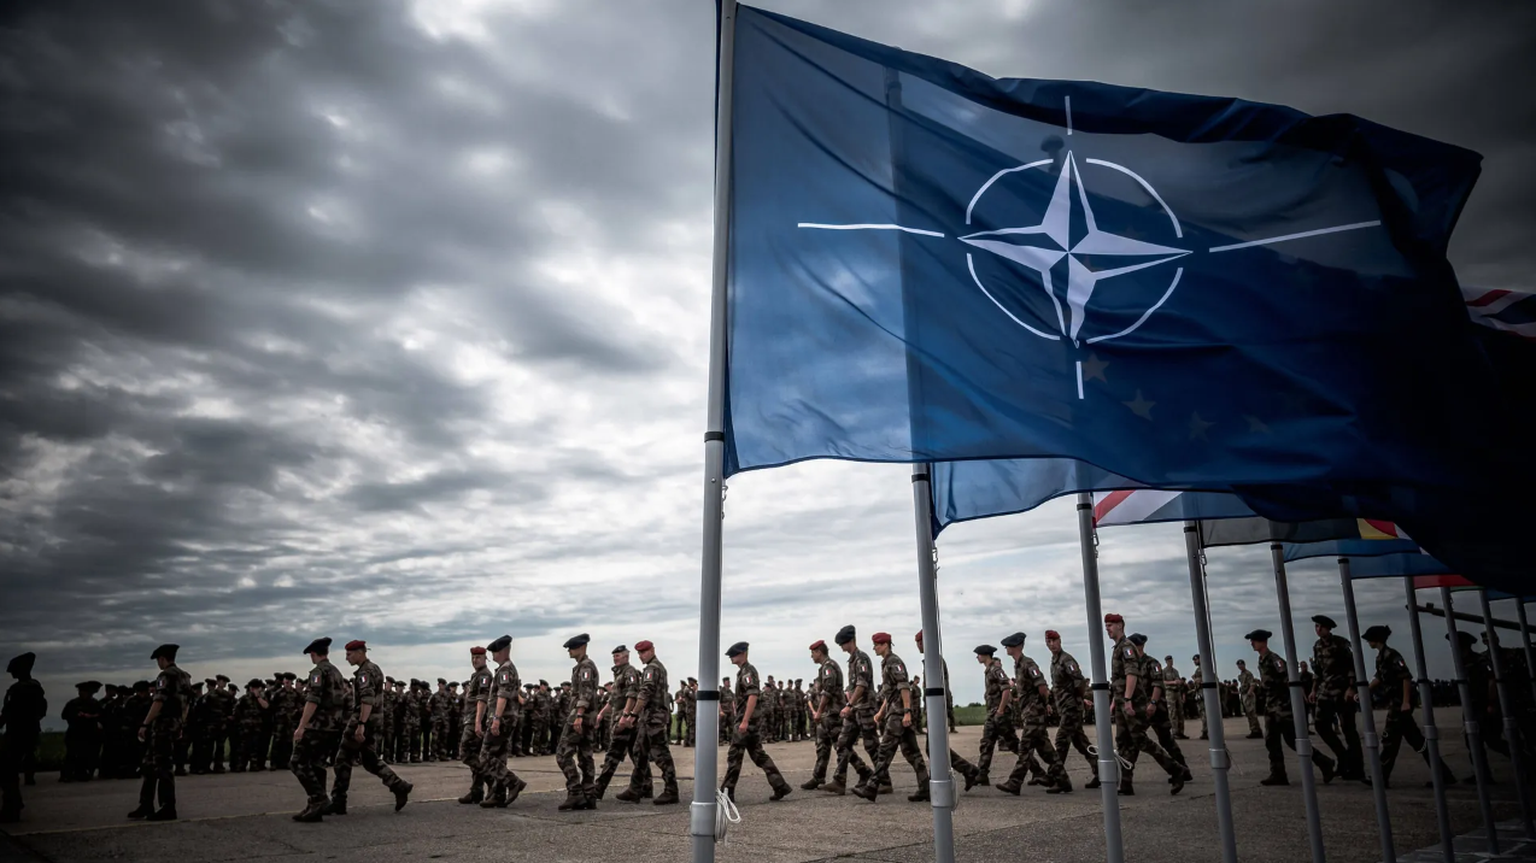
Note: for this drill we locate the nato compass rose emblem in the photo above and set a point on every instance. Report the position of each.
(1069, 232)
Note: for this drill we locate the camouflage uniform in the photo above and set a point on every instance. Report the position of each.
(749, 742)
(1279, 724)
(327, 691)
(173, 690)
(441, 706)
(1153, 678)
(499, 780)
(477, 691)
(1334, 662)
(1035, 739)
(653, 719)
(1248, 688)
(574, 752)
(1196, 680)
(1068, 686)
(690, 716)
(1173, 692)
(22, 716)
(898, 730)
(997, 728)
(860, 722)
(1131, 730)
(623, 742)
(1391, 673)
(366, 682)
(411, 722)
(829, 683)
(389, 707)
(249, 715)
(216, 732)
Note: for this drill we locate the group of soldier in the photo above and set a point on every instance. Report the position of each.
(158, 730)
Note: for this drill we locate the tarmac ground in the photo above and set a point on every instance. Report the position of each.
(246, 817)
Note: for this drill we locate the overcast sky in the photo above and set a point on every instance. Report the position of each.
(388, 320)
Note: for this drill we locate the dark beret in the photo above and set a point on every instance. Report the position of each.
(844, 635)
(1259, 635)
(736, 649)
(620, 649)
(22, 665)
(543, 682)
(1377, 633)
(985, 650)
(499, 644)
(1014, 640)
(221, 678)
(166, 650)
(442, 681)
(1464, 638)
(577, 641)
(256, 682)
(141, 686)
(89, 686)
(321, 646)
(1324, 620)
(1137, 639)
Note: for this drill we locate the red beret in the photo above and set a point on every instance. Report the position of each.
(477, 651)
(357, 644)
(881, 638)
(1051, 633)
(643, 645)
(1113, 618)
(919, 636)
(820, 644)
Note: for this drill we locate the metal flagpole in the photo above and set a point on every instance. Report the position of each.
(1298, 706)
(1210, 684)
(1109, 764)
(1470, 723)
(1506, 707)
(1368, 716)
(1431, 733)
(1525, 642)
(706, 754)
(941, 782)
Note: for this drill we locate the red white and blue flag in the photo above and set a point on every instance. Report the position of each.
(1501, 309)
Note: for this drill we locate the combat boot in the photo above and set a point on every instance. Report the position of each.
(311, 814)
(1009, 787)
(1062, 786)
(1176, 781)
(516, 789)
(337, 806)
(811, 784)
(602, 785)
(887, 788)
(1094, 782)
(164, 813)
(573, 801)
(836, 786)
(1126, 789)
(628, 795)
(497, 799)
(1275, 777)
(982, 778)
(971, 779)
(780, 791)
(146, 799)
(402, 794)
(667, 797)
(476, 792)
(922, 791)
(868, 790)
(1328, 770)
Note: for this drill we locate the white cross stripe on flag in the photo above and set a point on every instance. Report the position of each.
(1129, 507)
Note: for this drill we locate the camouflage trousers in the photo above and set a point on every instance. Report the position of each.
(1176, 710)
(365, 753)
(859, 724)
(750, 744)
(1162, 728)
(1035, 742)
(828, 729)
(441, 744)
(651, 746)
(993, 732)
(622, 743)
(469, 748)
(282, 744)
(492, 766)
(1069, 734)
(408, 748)
(1131, 740)
(898, 735)
(574, 756)
(1398, 727)
(250, 751)
(1337, 714)
(308, 762)
(1251, 710)
(159, 764)
(1280, 730)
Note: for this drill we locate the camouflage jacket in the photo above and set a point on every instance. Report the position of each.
(327, 691)
(861, 672)
(1067, 684)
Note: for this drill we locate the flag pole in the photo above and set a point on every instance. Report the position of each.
(706, 752)
(1431, 733)
(941, 782)
(1109, 764)
(1507, 708)
(1368, 719)
(1298, 706)
(1221, 761)
(1470, 722)
(1525, 643)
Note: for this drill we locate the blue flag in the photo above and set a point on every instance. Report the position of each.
(1354, 548)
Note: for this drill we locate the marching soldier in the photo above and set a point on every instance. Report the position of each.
(161, 726)
(359, 739)
(745, 737)
(651, 714)
(501, 717)
(318, 732)
(1278, 719)
(624, 737)
(1396, 683)
(477, 692)
(1130, 705)
(965, 768)
(1249, 687)
(999, 723)
(1173, 689)
(1070, 689)
(1035, 739)
(828, 688)
(1333, 692)
(574, 752)
(22, 720)
(896, 715)
(858, 715)
(1157, 708)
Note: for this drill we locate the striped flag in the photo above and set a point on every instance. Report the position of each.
(1226, 520)
(1510, 311)
(1151, 505)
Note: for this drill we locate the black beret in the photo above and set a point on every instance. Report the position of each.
(577, 641)
(499, 644)
(1377, 633)
(844, 635)
(1464, 638)
(453, 684)
(620, 649)
(141, 686)
(543, 682)
(1259, 635)
(692, 680)
(738, 648)
(1014, 640)
(985, 650)
(442, 681)
(197, 686)
(166, 650)
(289, 675)
(22, 664)
(1137, 639)
(221, 678)
(89, 685)
(1324, 620)
(255, 682)
(321, 646)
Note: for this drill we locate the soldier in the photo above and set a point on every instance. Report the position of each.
(1195, 682)
(1035, 740)
(828, 723)
(455, 719)
(681, 699)
(917, 705)
(112, 733)
(1484, 694)
(438, 707)
(797, 710)
(858, 715)
(134, 711)
(543, 719)
(319, 729)
(221, 703)
(22, 720)
(691, 710)
(623, 741)
(1278, 720)
(574, 752)
(1333, 692)
(1130, 705)
(162, 725)
(956, 762)
(359, 739)
(248, 714)
(1173, 689)
(998, 727)
(477, 693)
(1396, 684)
(746, 734)
(82, 740)
(727, 710)
(285, 703)
(895, 719)
(1157, 707)
(424, 711)
(1249, 688)
(650, 714)
(768, 706)
(1070, 690)
(501, 709)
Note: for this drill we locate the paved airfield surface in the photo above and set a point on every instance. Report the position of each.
(246, 816)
